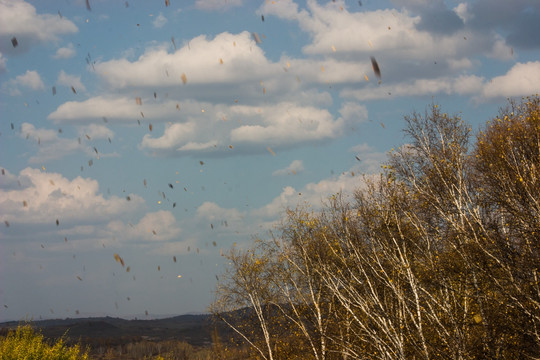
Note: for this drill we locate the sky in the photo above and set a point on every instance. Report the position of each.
(141, 140)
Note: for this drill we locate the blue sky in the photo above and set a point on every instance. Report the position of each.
(166, 133)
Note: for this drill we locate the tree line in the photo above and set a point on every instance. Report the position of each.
(437, 257)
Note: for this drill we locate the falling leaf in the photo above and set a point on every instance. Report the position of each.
(119, 259)
(214, 243)
(262, 18)
(154, 232)
(128, 269)
(65, 239)
(57, 222)
(174, 205)
(357, 158)
(88, 5)
(25, 204)
(159, 268)
(150, 127)
(221, 61)
(90, 162)
(201, 162)
(6, 222)
(78, 277)
(179, 276)
(230, 146)
(74, 91)
(144, 182)
(138, 101)
(366, 77)
(376, 68)
(171, 186)
(54, 90)
(333, 48)
(271, 151)
(128, 198)
(174, 258)
(167, 3)
(177, 106)
(256, 38)
(88, 136)
(370, 44)
(14, 42)
(212, 226)
(174, 44)
(322, 68)
(184, 78)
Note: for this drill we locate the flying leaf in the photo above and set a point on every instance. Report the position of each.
(376, 68)
(14, 42)
(256, 38)
(184, 78)
(119, 259)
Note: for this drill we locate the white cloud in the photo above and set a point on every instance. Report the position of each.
(462, 85)
(51, 146)
(295, 167)
(462, 10)
(217, 4)
(20, 18)
(521, 80)
(156, 226)
(211, 211)
(243, 128)
(113, 108)
(353, 112)
(2, 63)
(70, 81)
(96, 131)
(85, 216)
(30, 80)
(51, 196)
(65, 52)
(159, 21)
(200, 62)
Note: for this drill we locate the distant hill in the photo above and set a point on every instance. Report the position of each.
(193, 329)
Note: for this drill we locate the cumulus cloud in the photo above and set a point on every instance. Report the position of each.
(20, 19)
(227, 58)
(521, 80)
(156, 226)
(211, 211)
(30, 80)
(295, 167)
(462, 85)
(70, 81)
(51, 196)
(217, 4)
(159, 21)
(50, 146)
(114, 108)
(2, 63)
(84, 215)
(243, 128)
(65, 52)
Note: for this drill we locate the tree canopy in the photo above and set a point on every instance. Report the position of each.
(437, 257)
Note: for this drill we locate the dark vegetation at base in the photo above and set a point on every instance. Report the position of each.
(183, 337)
